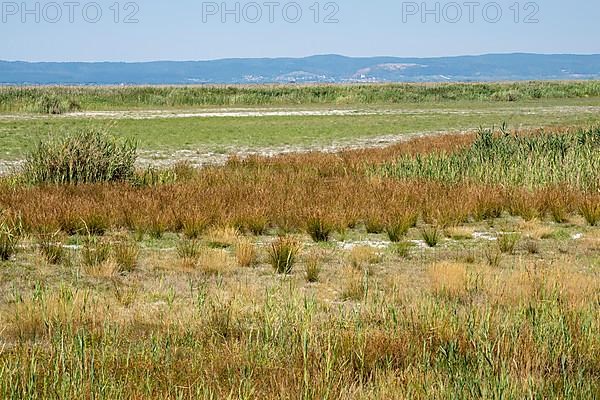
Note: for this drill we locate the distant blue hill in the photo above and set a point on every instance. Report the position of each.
(316, 69)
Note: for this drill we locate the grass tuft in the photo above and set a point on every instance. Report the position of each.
(319, 229)
(282, 254)
(431, 235)
(245, 253)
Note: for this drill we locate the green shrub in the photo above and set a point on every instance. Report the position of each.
(87, 156)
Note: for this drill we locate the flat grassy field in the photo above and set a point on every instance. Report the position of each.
(231, 134)
(463, 265)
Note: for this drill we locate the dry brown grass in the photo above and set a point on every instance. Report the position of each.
(222, 236)
(106, 269)
(362, 258)
(245, 253)
(215, 262)
(448, 278)
(285, 192)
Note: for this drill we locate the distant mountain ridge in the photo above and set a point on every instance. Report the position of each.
(315, 69)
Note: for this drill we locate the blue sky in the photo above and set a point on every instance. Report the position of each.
(193, 30)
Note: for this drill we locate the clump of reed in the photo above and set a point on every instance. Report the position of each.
(126, 255)
(283, 253)
(507, 242)
(85, 156)
(362, 258)
(313, 265)
(431, 235)
(397, 227)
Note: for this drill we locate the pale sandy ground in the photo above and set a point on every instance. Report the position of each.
(286, 112)
(200, 157)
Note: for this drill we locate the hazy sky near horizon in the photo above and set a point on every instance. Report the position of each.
(195, 30)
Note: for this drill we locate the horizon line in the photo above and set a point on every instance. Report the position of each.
(298, 58)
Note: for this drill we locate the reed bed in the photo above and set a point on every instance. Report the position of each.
(57, 100)
(570, 159)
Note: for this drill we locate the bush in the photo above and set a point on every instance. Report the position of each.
(87, 156)
(282, 254)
